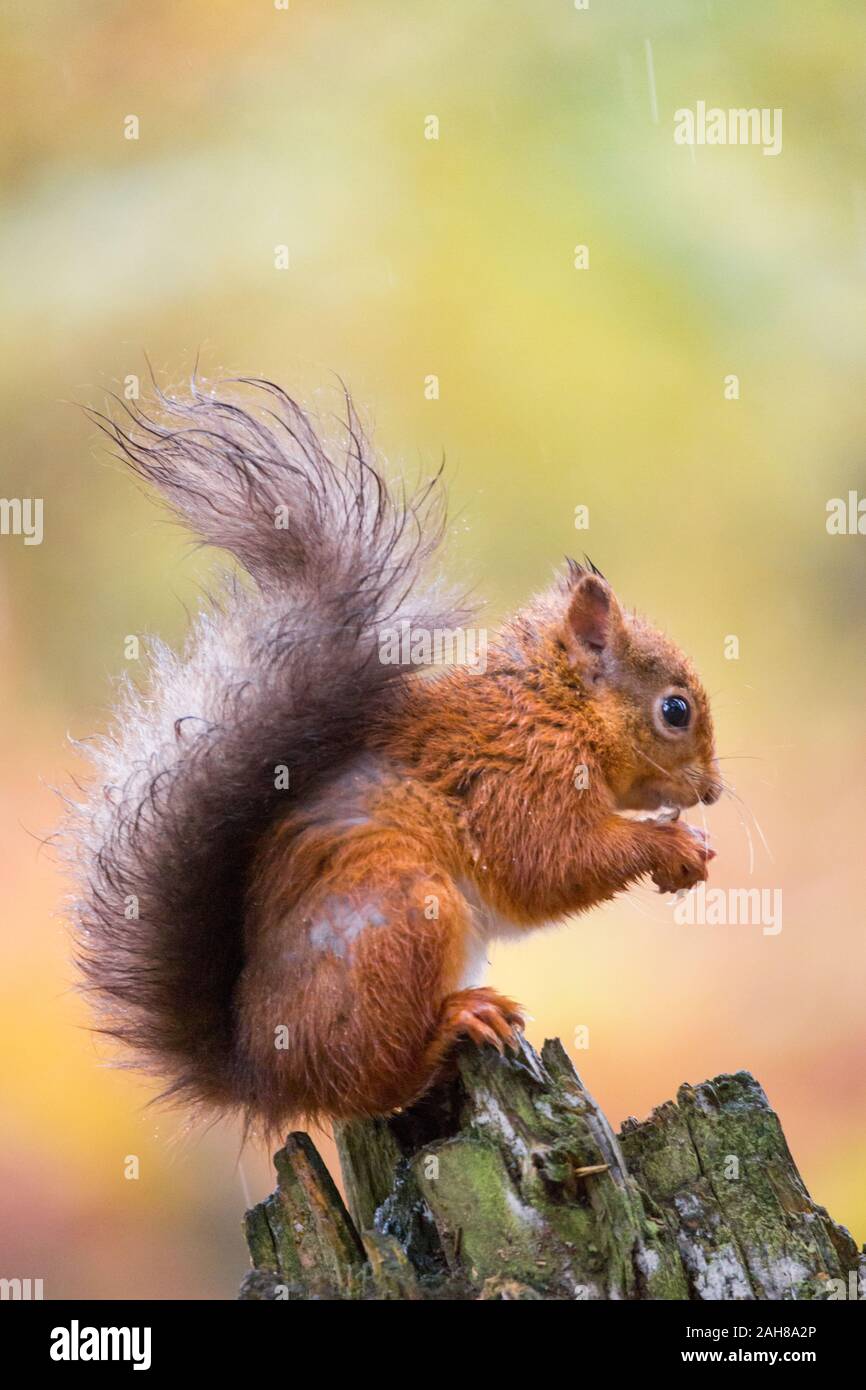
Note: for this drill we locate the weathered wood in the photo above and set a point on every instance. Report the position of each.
(718, 1165)
(302, 1236)
(509, 1183)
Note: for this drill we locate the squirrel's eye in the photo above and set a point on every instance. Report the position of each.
(676, 711)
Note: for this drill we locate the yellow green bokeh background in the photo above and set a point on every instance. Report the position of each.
(559, 387)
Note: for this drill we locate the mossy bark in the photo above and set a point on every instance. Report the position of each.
(509, 1183)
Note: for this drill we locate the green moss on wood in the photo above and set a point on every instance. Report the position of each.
(508, 1183)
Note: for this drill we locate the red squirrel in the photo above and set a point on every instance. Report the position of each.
(294, 854)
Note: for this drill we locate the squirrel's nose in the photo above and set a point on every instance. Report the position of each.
(711, 793)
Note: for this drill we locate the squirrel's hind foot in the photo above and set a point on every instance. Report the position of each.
(481, 1015)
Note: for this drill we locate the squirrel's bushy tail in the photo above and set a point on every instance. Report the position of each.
(280, 671)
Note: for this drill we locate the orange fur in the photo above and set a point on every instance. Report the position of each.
(311, 944)
(367, 906)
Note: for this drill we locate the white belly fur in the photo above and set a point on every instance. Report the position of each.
(487, 925)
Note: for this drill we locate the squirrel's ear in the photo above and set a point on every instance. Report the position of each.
(592, 613)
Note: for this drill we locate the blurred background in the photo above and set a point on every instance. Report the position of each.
(408, 257)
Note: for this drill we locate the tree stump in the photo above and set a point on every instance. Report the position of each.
(508, 1183)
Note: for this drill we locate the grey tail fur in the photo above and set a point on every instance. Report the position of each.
(280, 670)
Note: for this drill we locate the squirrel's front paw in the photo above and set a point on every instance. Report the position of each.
(686, 856)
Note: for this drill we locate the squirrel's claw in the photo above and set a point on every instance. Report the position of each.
(484, 1016)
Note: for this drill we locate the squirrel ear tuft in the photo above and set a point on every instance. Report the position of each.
(590, 616)
(576, 570)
